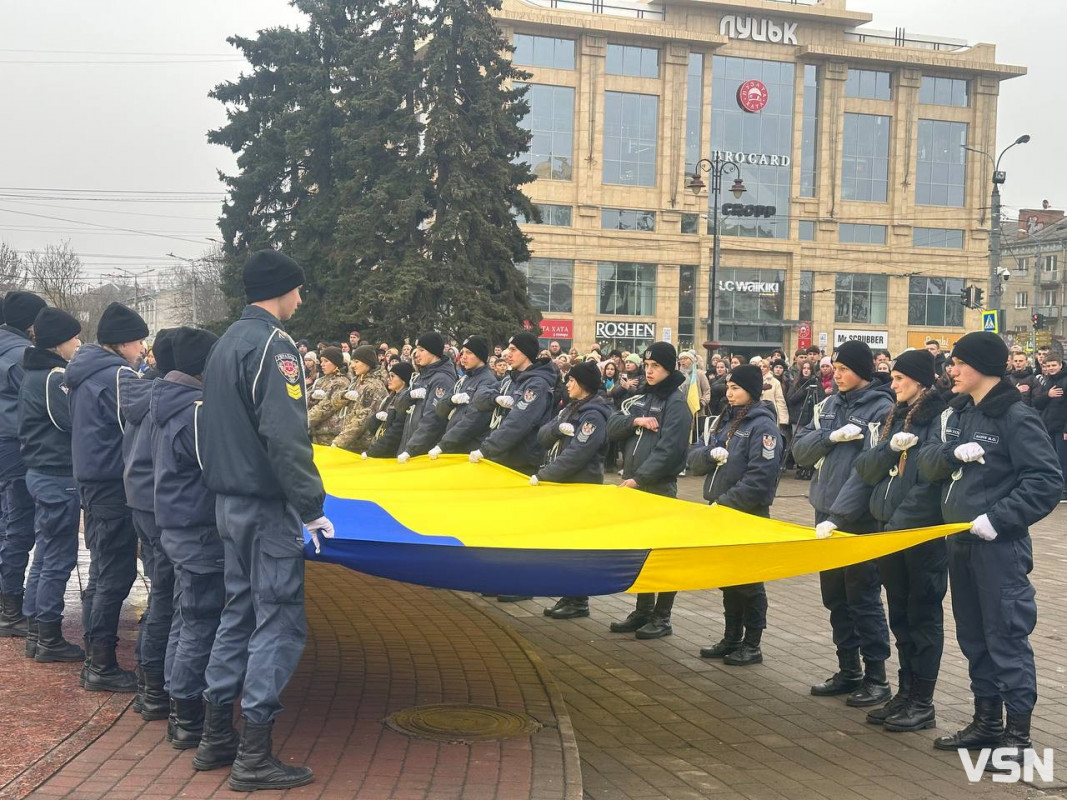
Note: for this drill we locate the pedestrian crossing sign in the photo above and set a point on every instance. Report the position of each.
(989, 322)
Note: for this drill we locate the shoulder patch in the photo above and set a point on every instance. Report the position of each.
(587, 430)
(529, 395)
(769, 443)
(294, 391)
(439, 392)
(289, 367)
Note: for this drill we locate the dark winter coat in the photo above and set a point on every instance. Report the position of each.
(512, 439)
(44, 413)
(13, 345)
(138, 474)
(182, 500)
(802, 399)
(387, 434)
(466, 424)
(1053, 410)
(423, 428)
(1023, 377)
(578, 458)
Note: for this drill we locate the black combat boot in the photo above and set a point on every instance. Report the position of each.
(138, 699)
(749, 652)
(877, 717)
(660, 623)
(730, 641)
(1017, 737)
(104, 674)
(569, 608)
(155, 704)
(88, 648)
(188, 724)
(219, 741)
(917, 713)
(31, 637)
(172, 720)
(12, 620)
(637, 618)
(255, 767)
(984, 730)
(874, 690)
(51, 646)
(847, 679)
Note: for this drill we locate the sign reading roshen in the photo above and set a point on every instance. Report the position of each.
(607, 329)
(758, 29)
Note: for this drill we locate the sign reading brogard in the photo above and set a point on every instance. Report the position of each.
(605, 329)
(758, 29)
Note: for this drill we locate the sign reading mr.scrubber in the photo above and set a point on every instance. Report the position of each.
(758, 29)
(606, 329)
(876, 340)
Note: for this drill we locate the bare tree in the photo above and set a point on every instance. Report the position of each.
(195, 289)
(12, 269)
(90, 304)
(56, 274)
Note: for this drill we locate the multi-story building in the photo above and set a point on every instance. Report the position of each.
(863, 215)
(1036, 260)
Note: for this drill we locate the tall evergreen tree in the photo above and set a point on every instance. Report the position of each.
(472, 138)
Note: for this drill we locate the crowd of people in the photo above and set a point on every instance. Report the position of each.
(199, 454)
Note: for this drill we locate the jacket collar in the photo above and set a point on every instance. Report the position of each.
(255, 312)
(932, 407)
(999, 400)
(663, 389)
(40, 358)
(17, 332)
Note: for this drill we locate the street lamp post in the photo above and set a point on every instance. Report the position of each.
(995, 283)
(716, 166)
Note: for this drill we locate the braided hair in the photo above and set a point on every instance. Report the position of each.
(737, 420)
(922, 398)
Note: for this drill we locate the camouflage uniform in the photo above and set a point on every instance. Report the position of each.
(355, 434)
(326, 417)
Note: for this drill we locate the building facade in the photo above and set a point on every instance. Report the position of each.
(1036, 262)
(862, 216)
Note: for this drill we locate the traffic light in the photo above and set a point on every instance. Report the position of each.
(1039, 321)
(965, 296)
(978, 295)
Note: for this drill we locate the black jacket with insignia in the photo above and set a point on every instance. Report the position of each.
(254, 429)
(44, 413)
(423, 428)
(387, 432)
(512, 439)
(466, 425)
(578, 458)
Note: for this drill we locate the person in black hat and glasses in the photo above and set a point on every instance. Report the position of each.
(652, 429)
(997, 471)
(430, 387)
(577, 442)
(853, 595)
(257, 458)
(16, 506)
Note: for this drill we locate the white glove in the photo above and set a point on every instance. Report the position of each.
(505, 400)
(903, 441)
(325, 527)
(824, 529)
(566, 429)
(417, 394)
(435, 451)
(719, 455)
(534, 481)
(403, 458)
(318, 394)
(461, 399)
(382, 416)
(846, 433)
(364, 456)
(983, 529)
(475, 456)
(351, 394)
(968, 452)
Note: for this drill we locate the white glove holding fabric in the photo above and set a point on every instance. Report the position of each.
(903, 441)
(534, 481)
(417, 394)
(970, 451)
(505, 400)
(824, 529)
(461, 399)
(318, 394)
(382, 416)
(983, 529)
(403, 458)
(352, 395)
(566, 429)
(475, 456)
(435, 451)
(323, 526)
(719, 455)
(846, 433)
(364, 456)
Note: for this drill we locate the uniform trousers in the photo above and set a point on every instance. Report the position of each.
(16, 533)
(155, 627)
(746, 604)
(112, 543)
(56, 518)
(263, 628)
(915, 583)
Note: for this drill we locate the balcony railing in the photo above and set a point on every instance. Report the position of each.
(616, 8)
(899, 38)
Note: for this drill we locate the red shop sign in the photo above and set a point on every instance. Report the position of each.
(752, 96)
(557, 329)
(804, 335)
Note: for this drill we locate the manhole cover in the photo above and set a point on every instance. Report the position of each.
(462, 724)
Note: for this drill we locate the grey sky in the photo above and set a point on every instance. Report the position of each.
(141, 126)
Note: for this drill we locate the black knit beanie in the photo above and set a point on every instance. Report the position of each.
(432, 342)
(191, 348)
(478, 345)
(163, 350)
(367, 354)
(588, 375)
(664, 354)
(53, 327)
(527, 344)
(857, 356)
(917, 365)
(333, 355)
(21, 308)
(402, 370)
(986, 352)
(269, 274)
(750, 378)
(119, 325)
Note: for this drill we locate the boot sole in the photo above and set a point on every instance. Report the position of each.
(568, 616)
(970, 746)
(253, 786)
(834, 692)
(45, 658)
(8, 634)
(881, 701)
(207, 766)
(188, 744)
(653, 635)
(743, 663)
(909, 728)
(154, 716)
(616, 627)
(718, 656)
(89, 687)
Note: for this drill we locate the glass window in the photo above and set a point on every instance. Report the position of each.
(852, 233)
(627, 219)
(807, 296)
(861, 299)
(749, 302)
(690, 223)
(868, 84)
(626, 289)
(865, 158)
(694, 111)
(1048, 297)
(637, 62)
(935, 301)
(768, 133)
(1022, 299)
(1050, 263)
(551, 126)
(944, 91)
(550, 215)
(809, 140)
(806, 230)
(630, 127)
(549, 283)
(687, 290)
(543, 51)
(938, 237)
(940, 169)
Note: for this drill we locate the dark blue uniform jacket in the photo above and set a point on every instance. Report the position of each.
(13, 344)
(44, 413)
(97, 378)
(137, 471)
(182, 499)
(578, 458)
